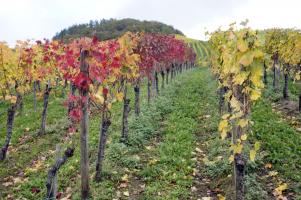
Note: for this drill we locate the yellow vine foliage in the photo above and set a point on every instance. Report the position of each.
(237, 61)
(12, 70)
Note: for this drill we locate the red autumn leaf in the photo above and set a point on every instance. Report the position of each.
(94, 40)
(35, 190)
(82, 81)
(59, 195)
(105, 91)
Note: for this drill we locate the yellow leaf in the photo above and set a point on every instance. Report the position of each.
(223, 127)
(235, 104)
(226, 116)
(231, 159)
(112, 79)
(125, 178)
(281, 188)
(152, 161)
(246, 59)
(244, 137)
(240, 78)
(237, 115)
(221, 197)
(256, 75)
(237, 148)
(252, 155)
(255, 94)
(99, 98)
(243, 123)
(13, 100)
(119, 96)
(257, 146)
(242, 46)
(258, 53)
(109, 106)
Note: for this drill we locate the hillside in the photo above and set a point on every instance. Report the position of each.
(113, 28)
(201, 48)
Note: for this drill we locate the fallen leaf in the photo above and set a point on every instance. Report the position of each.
(221, 197)
(243, 137)
(125, 178)
(35, 190)
(126, 193)
(282, 187)
(148, 147)
(194, 189)
(17, 180)
(273, 173)
(123, 185)
(268, 166)
(6, 184)
(59, 195)
(231, 158)
(198, 150)
(252, 155)
(152, 161)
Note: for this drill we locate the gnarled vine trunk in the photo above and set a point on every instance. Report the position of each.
(167, 76)
(285, 87)
(52, 174)
(20, 105)
(265, 75)
(9, 129)
(105, 124)
(157, 82)
(222, 92)
(149, 85)
(239, 173)
(125, 115)
(275, 83)
(64, 88)
(45, 106)
(239, 160)
(172, 71)
(163, 79)
(137, 99)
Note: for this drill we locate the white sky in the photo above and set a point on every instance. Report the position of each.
(37, 19)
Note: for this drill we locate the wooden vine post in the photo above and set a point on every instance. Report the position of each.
(84, 131)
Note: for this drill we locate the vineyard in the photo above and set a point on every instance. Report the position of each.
(153, 116)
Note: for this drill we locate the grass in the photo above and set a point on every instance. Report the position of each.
(170, 177)
(281, 142)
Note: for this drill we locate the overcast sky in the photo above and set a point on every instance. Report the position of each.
(37, 19)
